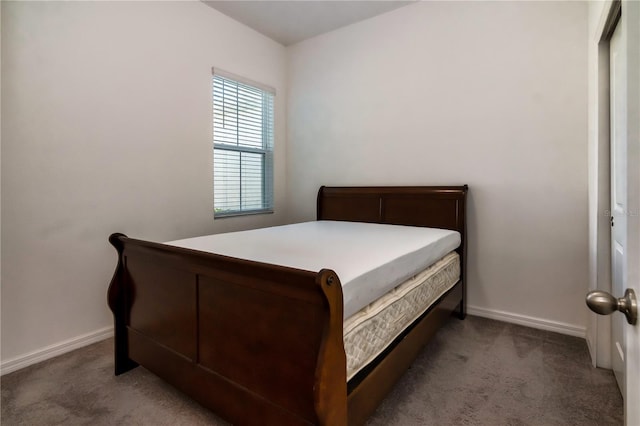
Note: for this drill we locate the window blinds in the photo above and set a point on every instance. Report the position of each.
(243, 146)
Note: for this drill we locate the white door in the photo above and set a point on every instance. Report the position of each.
(625, 200)
(630, 21)
(618, 194)
(624, 75)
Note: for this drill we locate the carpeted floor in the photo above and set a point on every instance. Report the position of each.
(475, 372)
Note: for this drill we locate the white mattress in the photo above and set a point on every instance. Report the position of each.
(369, 331)
(369, 258)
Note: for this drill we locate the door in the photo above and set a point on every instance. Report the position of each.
(618, 37)
(630, 20)
(625, 196)
(618, 97)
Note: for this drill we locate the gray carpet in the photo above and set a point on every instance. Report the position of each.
(475, 372)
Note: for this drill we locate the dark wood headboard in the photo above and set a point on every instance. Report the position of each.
(429, 206)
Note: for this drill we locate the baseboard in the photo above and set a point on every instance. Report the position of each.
(54, 350)
(57, 349)
(542, 324)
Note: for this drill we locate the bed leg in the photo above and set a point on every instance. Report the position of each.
(461, 313)
(122, 361)
(117, 300)
(461, 310)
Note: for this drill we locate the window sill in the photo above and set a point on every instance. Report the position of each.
(243, 213)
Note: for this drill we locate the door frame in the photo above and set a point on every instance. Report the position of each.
(598, 326)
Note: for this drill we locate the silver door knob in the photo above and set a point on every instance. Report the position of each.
(603, 303)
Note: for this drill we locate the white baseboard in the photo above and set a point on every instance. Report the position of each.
(539, 323)
(54, 350)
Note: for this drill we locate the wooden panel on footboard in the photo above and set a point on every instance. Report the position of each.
(256, 343)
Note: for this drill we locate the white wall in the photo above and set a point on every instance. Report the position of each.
(107, 127)
(492, 94)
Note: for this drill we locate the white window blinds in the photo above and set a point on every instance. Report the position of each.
(242, 146)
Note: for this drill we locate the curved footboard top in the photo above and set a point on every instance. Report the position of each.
(256, 343)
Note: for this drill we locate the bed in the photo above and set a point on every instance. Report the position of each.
(262, 343)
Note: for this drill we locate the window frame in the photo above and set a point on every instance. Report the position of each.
(265, 151)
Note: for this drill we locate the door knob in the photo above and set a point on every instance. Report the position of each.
(603, 303)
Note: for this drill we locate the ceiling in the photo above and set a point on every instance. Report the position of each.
(289, 22)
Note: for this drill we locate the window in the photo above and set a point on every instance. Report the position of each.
(242, 146)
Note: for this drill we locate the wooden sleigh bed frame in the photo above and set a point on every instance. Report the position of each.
(260, 343)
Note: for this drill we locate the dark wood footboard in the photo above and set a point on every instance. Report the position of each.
(262, 344)
(248, 340)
